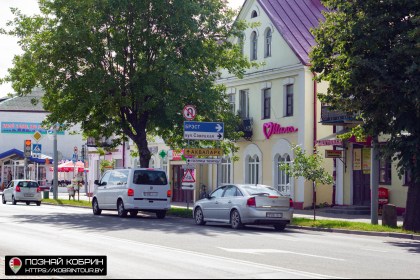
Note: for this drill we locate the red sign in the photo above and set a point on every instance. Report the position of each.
(189, 112)
(188, 177)
(271, 128)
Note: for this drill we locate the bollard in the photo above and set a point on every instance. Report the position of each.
(389, 215)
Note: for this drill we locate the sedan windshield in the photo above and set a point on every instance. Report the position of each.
(260, 190)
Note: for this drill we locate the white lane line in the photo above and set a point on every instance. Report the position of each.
(218, 258)
(374, 250)
(275, 251)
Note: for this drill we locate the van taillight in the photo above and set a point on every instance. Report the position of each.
(130, 192)
(251, 202)
(38, 189)
(169, 193)
(291, 203)
(17, 189)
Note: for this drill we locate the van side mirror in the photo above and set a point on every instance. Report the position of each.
(208, 196)
(96, 182)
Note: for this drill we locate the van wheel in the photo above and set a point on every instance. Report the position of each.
(3, 199)
(121, 210)
(133, 213)
(199, 217)
(38, 203)
(27, 203)
(95, 207)
(161, 214)
(235, 220)
(13, 200)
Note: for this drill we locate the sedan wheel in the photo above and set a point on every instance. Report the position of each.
(121, 210)
(199, 217)
(133, 213)
(38, 203)
(95, 207)
(3, 199)
(13, 200)
(27, 203)
(235, 219)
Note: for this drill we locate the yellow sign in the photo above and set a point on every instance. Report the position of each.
(333, 154)
(37, 136)
(202, 152)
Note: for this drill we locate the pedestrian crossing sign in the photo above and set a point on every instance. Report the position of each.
(36, 148)
(188, 177)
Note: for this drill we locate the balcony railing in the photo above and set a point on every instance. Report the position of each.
(246, 128)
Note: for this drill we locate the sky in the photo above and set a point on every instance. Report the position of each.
(8, 44)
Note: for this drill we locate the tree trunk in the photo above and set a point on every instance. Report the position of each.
(144, 152)
(314, 198)
(412, 212)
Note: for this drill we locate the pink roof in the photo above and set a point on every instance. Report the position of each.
(294, 19)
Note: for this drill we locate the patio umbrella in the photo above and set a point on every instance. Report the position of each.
(69, 167)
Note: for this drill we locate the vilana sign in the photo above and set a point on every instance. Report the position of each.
(271, 128)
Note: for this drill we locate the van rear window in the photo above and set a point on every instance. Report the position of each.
(149, 177)
(25, 184)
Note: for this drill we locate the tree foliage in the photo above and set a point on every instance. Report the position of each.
(128, 68)
(369, 52)
(307, 166)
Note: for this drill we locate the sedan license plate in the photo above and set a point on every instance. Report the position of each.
(150, 194)
(274, 215)
(28, 195)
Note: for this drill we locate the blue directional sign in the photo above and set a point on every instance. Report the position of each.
(204, 130)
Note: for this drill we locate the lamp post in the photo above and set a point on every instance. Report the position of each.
(55, 181)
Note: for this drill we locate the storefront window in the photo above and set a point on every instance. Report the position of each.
(283, 179)
(385, 171)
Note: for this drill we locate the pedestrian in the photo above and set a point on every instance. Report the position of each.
(9, 177)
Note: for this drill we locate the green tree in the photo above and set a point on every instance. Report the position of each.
(127, 68)
(308, 167)
(369, 52)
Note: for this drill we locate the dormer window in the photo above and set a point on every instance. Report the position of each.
(254, 14)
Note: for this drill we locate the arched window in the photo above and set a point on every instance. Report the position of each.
(254, 44)
(268, 36)
(241, 42)
(253, 170)
(254, 14)
(282, 179)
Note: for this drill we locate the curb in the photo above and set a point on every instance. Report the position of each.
(359, 232)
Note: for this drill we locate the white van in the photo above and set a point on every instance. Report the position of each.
(131, 191)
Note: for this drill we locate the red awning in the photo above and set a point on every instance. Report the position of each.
(69, 167)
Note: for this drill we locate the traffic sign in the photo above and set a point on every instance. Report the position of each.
(203, 160)
(189, 112)
(36, 148)
(204, 130)
(188, 177)
(37, 136)
(203, 152)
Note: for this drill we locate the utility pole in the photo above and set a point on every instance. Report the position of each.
(55, 184)
(374, 181)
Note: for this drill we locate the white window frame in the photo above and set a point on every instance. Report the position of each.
(244, 94)
(283, 181)
(268, 42)
(254, 45)
(226, 171)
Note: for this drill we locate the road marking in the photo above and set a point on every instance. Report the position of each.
(373, 250)
(275, 251)
(218, 258)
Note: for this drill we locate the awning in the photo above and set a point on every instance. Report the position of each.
(20, 154)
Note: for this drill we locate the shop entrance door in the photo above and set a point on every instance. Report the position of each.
(361, 188)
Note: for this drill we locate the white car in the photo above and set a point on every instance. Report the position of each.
(22, 191)
(131, 191)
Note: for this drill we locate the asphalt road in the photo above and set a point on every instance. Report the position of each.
(145, 247)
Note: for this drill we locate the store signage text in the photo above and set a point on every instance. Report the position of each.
(271, 128)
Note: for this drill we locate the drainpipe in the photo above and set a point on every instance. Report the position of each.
(123, 154)
(315, 135)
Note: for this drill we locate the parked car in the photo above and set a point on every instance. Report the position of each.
(131, 191)
(22, 191)
(245, 204)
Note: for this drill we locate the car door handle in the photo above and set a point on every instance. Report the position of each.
(216, 203)
(229, 201)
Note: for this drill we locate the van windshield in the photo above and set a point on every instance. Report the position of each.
(149, 177)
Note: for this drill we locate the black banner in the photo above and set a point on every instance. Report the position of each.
(56, 265)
